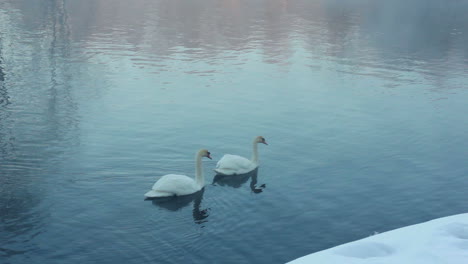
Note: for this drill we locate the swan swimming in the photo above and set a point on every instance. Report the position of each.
(178, 185)
(234, 164)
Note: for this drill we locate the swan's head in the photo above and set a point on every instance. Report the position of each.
(204, 153)
(261, 139)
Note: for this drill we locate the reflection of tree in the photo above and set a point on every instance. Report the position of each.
(418, 29)
(176, 203)
(2, 74)
(29, 129)
(365, 32)
(410, 36)
(61, 107)
(6, 231)
(237, 181)
(4, 101)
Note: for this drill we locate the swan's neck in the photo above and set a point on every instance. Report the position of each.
(199, 178)
(255, 153)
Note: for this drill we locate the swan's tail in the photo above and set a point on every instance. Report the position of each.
(156, 194)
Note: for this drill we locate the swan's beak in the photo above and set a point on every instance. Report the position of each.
(264, 142)
(208, 156)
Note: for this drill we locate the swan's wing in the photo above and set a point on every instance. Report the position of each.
(176, 185)
(233, 164)
(229, 161)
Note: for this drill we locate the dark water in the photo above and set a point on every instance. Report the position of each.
(364, 104)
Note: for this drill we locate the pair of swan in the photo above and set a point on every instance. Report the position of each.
(178, 185)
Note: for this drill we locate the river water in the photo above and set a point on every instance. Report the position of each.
(363, 104)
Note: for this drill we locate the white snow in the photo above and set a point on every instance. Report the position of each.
(440, 241)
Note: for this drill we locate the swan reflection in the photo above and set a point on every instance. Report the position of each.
(176, 203)
(237, 181)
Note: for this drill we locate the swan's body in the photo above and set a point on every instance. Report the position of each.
(234, 164)
(178, 185)
(173, 185)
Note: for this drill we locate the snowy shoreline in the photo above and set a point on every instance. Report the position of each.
(439, 241)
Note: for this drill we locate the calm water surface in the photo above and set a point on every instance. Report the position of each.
(364, 104)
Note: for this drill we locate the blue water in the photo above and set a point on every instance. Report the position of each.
(363, 104)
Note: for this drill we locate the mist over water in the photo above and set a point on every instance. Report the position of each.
(363, 104)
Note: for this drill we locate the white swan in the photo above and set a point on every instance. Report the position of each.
(177, 185)
(233, 164)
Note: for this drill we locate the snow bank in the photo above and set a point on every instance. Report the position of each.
(440, 241)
